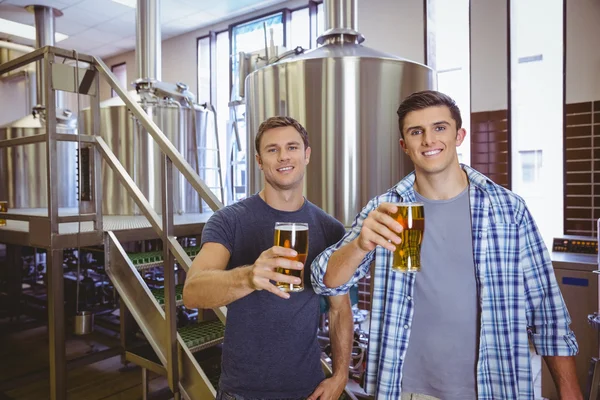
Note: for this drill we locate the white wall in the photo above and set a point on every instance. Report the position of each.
(489, 63)
(390, 26)
(394, 27)
(583, 57)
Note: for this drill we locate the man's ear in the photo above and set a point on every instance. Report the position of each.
(460, 136)
(259, 161)
(307, 155)
(403, 145)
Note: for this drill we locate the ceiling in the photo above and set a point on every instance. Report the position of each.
(103, 28)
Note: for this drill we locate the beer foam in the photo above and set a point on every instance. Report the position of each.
(408, 204)
(292, 228)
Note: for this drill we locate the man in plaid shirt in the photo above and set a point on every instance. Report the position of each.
(459, 328)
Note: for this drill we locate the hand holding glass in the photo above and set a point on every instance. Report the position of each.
(407, 257)
(292, 235)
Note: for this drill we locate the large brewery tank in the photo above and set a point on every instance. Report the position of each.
(171, 107)
(172, 110)
(23, 181)
(346, 96)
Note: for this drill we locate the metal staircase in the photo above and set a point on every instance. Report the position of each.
(179, 350)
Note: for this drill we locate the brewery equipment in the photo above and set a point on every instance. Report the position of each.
(22, 168)
(346, 96)
(172, 109)
(574, 259)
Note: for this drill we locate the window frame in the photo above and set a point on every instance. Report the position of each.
(112, 70)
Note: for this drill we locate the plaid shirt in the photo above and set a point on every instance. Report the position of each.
(519, 297)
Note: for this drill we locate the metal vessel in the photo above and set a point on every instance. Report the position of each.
(181, 123)
(23, 168)
(346, 96)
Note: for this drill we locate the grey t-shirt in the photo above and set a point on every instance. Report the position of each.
(442, 350)
(270, 348)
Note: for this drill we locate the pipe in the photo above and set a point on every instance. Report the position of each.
(341, 22)
(340, 14)
(148, 40)
(15, 46)
(44, 36)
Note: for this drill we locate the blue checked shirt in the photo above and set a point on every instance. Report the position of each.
(518, 295)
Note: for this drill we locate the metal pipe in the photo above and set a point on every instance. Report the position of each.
(148, 40)
(44, 36)
(16, 47)
(340, 14)
(341, 22)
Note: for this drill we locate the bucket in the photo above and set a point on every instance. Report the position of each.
(84, 322)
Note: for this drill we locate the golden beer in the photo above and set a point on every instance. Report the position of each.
(407, 257)
(293, 236)
(3, 208)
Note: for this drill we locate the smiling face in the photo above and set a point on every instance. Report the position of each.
(431, 138)
(283, 158)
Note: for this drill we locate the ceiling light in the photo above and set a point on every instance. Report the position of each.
(128, 3)
(24, 31)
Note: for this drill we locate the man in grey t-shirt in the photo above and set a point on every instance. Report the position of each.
(270, 349)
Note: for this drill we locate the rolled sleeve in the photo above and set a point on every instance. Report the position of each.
(320, 263)
(547, 315)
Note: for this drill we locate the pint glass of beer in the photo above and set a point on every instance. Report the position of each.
(3, 208)
(407, 257)
(292, 235)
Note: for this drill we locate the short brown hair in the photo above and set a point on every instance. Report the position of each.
(279, 122)
(426, 99)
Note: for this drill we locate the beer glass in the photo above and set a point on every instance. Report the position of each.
(292, 235)
(407, 257)
(3, 208)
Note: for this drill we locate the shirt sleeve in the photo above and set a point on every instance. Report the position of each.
(319, 265)
(218, 229)
(548, 319)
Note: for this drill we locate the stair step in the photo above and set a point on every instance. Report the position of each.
(159, 295)
(151, 259)
(202, 335)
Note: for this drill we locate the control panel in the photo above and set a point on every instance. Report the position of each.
(579, 245)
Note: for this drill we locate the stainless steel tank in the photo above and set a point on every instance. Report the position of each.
(346, 96)
(141, 157)
(23, 181)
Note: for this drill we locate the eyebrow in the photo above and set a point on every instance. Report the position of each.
(287, 144)
(434, 124)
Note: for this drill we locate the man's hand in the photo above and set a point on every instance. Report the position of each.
(262, 272)
(380, 229)
(329, 389)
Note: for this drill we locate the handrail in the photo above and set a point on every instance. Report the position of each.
(182, 258)
(165, 144)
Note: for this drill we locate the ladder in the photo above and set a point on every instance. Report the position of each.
(208, 155)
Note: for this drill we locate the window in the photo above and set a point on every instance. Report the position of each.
(300, 29)
(531, 163)
(218, 80)
(449, 56)
(536, 67)
(120, 71)
(250, 37)
(320, 19)
(204, 70)
(221, 102)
